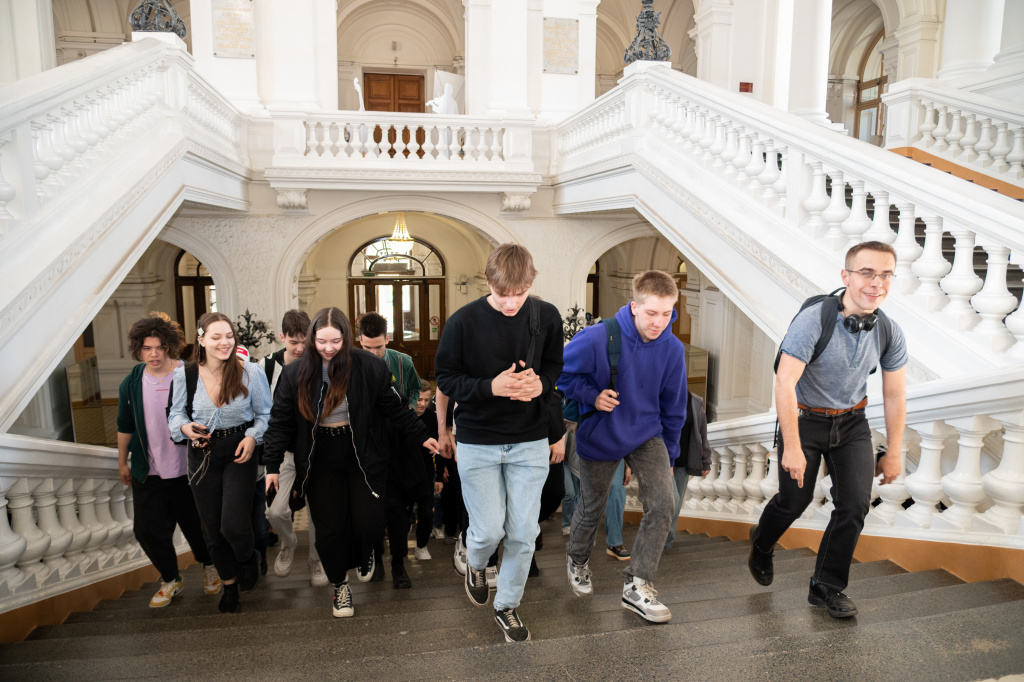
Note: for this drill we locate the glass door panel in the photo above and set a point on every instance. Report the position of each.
(411, 323)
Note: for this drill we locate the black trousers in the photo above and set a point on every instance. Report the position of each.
(451, 503)
(260, 525)
(223, 491)
(160, 504)
(348, 518)
(844, 442)
(553, 492)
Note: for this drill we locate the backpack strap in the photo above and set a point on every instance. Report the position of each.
(829, 310)
(884, 327)
(614, 349)
(534, 330)
(191, 382)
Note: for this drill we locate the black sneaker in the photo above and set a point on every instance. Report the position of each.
(249, 574)
(263, 565)
(511, 626)
(835, 602)
(399, 578)
(229, 599)
(619, 552)
(342, 602)
(476, 586)
(760, 563)
(365, 573)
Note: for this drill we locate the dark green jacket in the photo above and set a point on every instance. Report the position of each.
(130, 419)
(403, 373)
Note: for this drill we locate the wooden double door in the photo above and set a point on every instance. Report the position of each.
(395, 92)
(415, 311)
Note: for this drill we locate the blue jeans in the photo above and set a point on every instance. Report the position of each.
(681, 479)
(616, 507)
(501, 486)
(572, 494)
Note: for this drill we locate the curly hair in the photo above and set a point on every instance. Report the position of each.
(157, 324)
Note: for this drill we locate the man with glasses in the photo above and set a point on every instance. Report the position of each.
(820, 403)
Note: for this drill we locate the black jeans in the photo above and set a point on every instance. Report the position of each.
(159, 505)
(844, 441)
(452, 504)
(348, 518)
(223, 491)
(398, 514)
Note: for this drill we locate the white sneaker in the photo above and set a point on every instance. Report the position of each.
(317, 577)
(365, 577)
(459, 559)
(166, 592)
(579, 577)
(492, 577)
(283, 563)
(422, 553)
(641, 597)
(211, 580)
(437, 533)
(566, 530)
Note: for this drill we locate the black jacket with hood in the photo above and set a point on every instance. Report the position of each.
(374, 407)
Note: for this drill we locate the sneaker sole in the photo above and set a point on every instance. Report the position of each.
(509, 639)
(455, 565)
(616, 556)
(473, 599)
(343, 613)
(626, 604)
(281, 573)
(213, 592)
(815, 601)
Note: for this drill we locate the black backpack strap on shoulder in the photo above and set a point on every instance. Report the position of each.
(614, 349)
(534, 330)
(270, 367)
(884, 327)
(191, 382)
(830, 307)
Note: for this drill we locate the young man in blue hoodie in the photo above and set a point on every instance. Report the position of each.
(640, 421)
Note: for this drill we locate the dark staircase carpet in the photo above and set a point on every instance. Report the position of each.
(927, 625)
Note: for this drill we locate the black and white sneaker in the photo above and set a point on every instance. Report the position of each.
(579, 577)
(511, 626)
(476, 586)
(641, 597)
(342, 601)
(365, 573)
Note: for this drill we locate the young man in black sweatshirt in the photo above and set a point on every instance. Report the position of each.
(499, 358)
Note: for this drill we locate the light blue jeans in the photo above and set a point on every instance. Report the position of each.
(501, 486)
(616, 507)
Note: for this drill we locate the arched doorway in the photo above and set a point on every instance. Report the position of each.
(194, 293)
(405, 284)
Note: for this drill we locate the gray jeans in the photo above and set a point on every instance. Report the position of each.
(280, 514)
(650, 466)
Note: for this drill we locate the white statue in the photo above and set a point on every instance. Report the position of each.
(359, 93)
(445, 103)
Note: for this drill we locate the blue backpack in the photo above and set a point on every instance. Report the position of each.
(570, 408)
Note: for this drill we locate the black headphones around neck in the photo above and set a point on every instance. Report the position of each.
(857, 323)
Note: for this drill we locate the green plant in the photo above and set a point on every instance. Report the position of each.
(575, 320)
(252, 333)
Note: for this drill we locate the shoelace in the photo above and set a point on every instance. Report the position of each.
(648, 592)
(512, 618)
(479, 578)
(582, 573)
(343, 595)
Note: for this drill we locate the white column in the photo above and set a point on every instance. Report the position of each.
(808, 74)
(1011, 44)
(288, 52)
(712, 33)
(508, 43)
(918, 48)
(26, 38)
(970, 36)
(478, 55)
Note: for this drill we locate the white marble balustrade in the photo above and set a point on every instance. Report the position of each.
(70, 519)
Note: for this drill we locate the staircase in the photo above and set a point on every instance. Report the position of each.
(724, 626)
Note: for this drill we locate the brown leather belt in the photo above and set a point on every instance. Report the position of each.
(830, 412)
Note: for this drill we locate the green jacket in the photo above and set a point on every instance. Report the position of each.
(130, 419)
(403, 374)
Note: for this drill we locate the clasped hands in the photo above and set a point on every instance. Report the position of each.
(514, 385)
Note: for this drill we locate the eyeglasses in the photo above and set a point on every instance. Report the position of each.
(870, 275)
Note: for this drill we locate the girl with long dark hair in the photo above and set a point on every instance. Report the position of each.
(221, 407)
(331, 409)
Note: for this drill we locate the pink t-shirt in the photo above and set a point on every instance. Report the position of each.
(166, 458)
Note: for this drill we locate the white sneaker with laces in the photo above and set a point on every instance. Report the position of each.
(211, 580)
(641, 597)
(459, 558)
(317, 577)
(437, 533)
(283, 563)
(422, 553)
(166, 592)
(342, 602)
(579, 577)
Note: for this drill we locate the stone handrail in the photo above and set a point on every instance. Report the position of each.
(976, 424)
(775, 166)
(980, 133)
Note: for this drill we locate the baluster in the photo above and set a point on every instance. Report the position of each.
(941, 129)
(707, 484)
(310, 138)
(714, 152)
(769, 174)
(741, 161)
(962, 282)
(98, 530)
(689, 118)
(496, 156)
(741, 455)
(334, 135)
(66, 512)
(481, 145)
(97, 125)
(710, 132)
(779, 187)
(954, 135)
(893, 494)
(12, 546)
(1016, 157)
(836, 212)
(722, 163)
(86, 131)
(970, 138)
(927, 125)
(459, 136)
(349, 134)
(41, 162)
(858, 223)
(880, 230)
(698, 133)
(963, 484)
(932, 265)
(756, 166)
(984, 143)
(1001, 149)
(770, 482)
(400, 144)
(722, 482)
(126, 544)
(817, 201)
(1015, 325)
(994, 301)
(1005, 483)
(752, 483)
(109, 120)
(108, 549)
(19, 502)
(694, 493)
(45, 496)
(428, 142)
(7, 194)
(906, 247)
(75, 140)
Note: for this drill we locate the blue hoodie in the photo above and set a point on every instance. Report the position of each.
(651, 386)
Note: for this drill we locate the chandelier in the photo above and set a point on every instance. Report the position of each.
(400, 243)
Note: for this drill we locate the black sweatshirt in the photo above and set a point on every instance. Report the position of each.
(479, 343)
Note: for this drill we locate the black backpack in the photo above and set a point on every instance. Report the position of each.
(830, 305)
(611, 326)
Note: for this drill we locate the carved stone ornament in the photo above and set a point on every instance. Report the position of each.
(515, 203)
(292, 199)
(648, 45)
(157, 15)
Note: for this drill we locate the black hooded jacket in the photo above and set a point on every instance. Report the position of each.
(374, 407)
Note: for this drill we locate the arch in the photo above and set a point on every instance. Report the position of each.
(594, 249)
(362, 23)
(294, 256)
(855, 23)
(433, 250)
(210, 256)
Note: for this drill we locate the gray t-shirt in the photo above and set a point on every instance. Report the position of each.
(839, 377)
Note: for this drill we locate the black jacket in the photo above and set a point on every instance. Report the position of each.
(374, 407)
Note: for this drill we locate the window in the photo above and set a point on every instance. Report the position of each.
(376, 260)
(869, 125)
